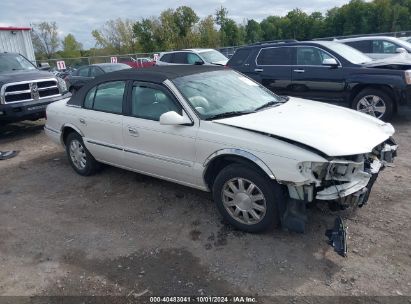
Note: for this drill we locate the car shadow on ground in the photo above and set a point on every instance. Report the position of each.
(17, 131)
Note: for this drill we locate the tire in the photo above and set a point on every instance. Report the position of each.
(79, 157)
(373, 101)
(271, 197)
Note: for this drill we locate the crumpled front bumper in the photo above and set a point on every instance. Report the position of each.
(357, 190)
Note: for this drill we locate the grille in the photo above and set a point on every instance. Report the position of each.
(30, 90)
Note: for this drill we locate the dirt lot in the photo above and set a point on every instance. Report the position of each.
(121, 233)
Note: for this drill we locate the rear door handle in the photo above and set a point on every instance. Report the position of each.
(258, 70)
(299, 71)
(133, 131)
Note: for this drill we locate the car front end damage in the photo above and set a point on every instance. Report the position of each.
(341, 182)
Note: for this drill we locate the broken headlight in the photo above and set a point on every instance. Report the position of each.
(338, 169)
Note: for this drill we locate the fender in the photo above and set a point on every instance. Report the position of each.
(241, 153)
(69, 125)
(393, 80)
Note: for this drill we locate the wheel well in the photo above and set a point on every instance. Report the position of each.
(385, 88)
(220, 162)
(66, 132)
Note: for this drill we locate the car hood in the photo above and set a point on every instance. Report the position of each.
(333, 130)
(221, 62)
(398, 61)
(16, 76)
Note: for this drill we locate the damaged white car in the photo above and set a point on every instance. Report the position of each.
(263, 156)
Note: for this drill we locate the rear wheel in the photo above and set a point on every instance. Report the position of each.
(374, 102)
(79, 157)
(246, 198)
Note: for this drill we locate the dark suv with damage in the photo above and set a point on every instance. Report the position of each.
(329, 71)
(25, 91)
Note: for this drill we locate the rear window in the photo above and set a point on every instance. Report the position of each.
(363, 46)
(180, 58)
(274, 56)
(166, 58)
(239, 57)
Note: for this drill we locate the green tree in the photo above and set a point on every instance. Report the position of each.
(116, 36)
(253, 31)
(185, 18)
(209, 36)
(71, 47)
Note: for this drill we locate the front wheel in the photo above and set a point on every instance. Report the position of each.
(246, 198)
(374, 102)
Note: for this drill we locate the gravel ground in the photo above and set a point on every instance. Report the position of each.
(121, 233)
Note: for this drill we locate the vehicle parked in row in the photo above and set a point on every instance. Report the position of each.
(142, 62)
(263, 156)
(329, 71)
(408, 39)
(378, 47)
(192, 56)
(25, 91)
(82, 75)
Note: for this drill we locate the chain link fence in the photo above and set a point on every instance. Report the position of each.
(80, 61)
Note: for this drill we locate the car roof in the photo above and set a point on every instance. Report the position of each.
(293, 43)
(368, 38)
(107, 64)
(157, 74)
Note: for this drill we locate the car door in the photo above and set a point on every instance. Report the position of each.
(81, 76)
(381, 48)
(166, 151)
(240, 61)
(273, 68)
(96, 71)
(101, 121)
(312, 79)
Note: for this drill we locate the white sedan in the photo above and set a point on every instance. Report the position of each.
(263, 157)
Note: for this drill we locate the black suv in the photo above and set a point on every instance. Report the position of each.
(26, 91)
(328, 71)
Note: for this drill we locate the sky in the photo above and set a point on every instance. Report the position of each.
(80, 17)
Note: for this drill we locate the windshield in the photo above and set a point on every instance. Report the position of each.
(349, 53)
(114, 67)
(14, 62)
(213, 56)
(225, 91)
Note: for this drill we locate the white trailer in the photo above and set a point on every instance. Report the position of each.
(17, 40)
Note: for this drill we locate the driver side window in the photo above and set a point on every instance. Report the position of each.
(150, 103)
(311, 56)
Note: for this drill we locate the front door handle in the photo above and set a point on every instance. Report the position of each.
(299, 71)
(258, 70)
(132, 131)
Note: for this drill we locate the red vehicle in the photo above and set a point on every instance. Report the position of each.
(143, 62)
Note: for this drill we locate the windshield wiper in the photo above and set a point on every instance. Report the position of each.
(228, 114)
(273, 103)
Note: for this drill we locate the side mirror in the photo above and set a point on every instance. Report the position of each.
(400, 50)
(174, 119)
(199, 62)
(44, 66)
(330, 62)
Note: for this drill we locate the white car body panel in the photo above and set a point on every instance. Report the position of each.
(318, 125)
(280, 140)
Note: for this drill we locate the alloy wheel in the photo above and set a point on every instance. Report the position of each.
(244, 201)
(372, 105)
